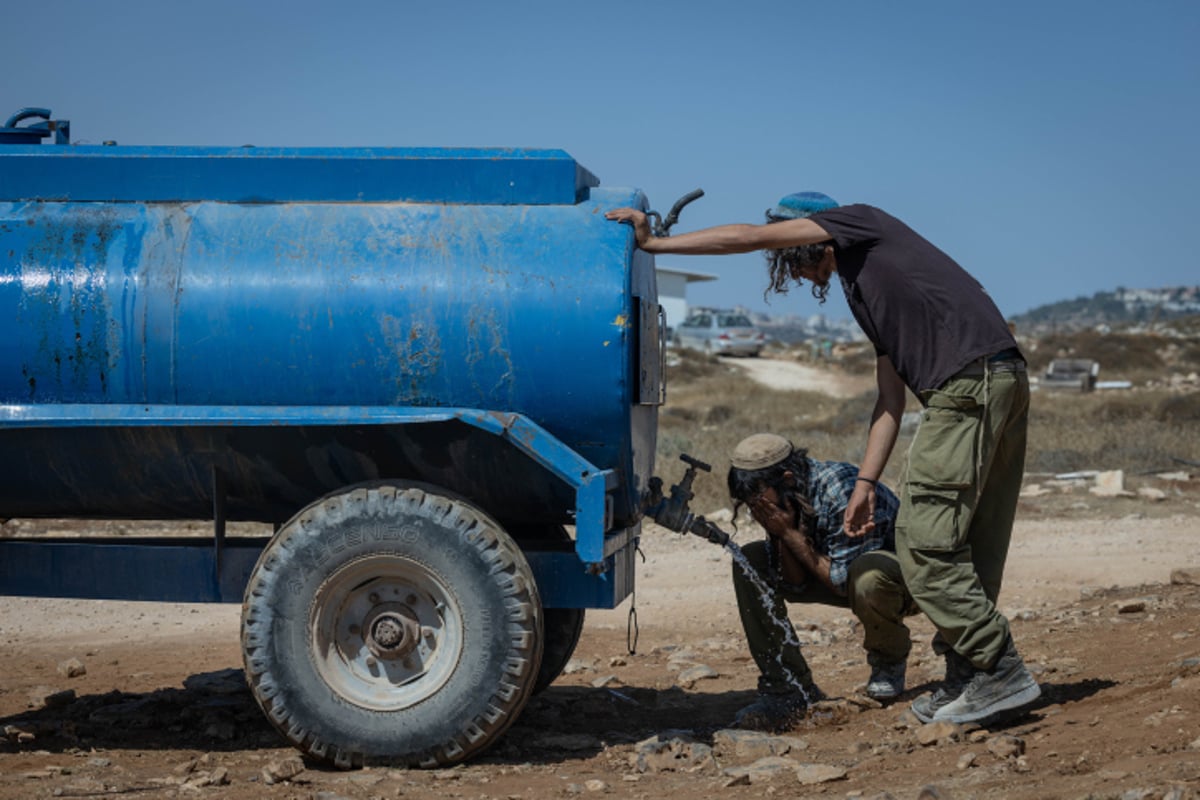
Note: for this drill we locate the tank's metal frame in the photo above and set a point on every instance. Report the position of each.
(598, 574)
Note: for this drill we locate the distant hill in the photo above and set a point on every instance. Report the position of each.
(1119, 309)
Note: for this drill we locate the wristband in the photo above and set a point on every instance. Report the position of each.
(867, 480)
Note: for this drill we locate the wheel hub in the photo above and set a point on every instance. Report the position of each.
(386, 632)
(392, 631)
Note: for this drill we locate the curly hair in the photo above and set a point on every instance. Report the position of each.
(746, 484)
(784, 264)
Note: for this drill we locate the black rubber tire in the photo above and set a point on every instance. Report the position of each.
(561, 629)
(428, 537)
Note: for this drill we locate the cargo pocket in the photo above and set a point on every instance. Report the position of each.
(941, 473)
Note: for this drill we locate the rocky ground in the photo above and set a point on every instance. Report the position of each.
(103, 699)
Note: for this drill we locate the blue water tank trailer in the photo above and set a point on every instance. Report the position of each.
(435, 371)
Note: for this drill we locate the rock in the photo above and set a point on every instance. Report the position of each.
(71, 668)
(741, 779)
(763, 770)
(930, 792)
(1152, 494)
(907, 720)
(1034, 490)
(595, 785)
(862, 701)
(1186, 577)
(935, 732)
(1134, 606)
(700, 672)
(812, 774)
(573, 788)
(617, 661)
(966, 761)
(283, 769)
(576, 665)
(218, 777)
(672, 751)
(1005, 746)
(681, 659)
(49, 697)
(19, 735)
(602, 681)
(752, 745)
(1195, 745)
(1110, 484)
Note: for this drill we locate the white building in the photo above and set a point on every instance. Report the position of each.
(672, 291)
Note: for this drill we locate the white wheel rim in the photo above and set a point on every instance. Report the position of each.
(386, 632)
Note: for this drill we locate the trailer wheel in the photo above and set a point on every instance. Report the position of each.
(391, 623)
(561, 626)
(561, 630)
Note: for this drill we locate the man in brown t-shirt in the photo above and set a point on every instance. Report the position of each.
(937, 332)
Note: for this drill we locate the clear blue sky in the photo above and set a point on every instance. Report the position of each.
(1051, 147)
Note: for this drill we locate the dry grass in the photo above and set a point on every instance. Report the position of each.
(1137, 431)
(711, 406)
(1140, 358)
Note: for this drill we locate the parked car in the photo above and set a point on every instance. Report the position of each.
(720, 332)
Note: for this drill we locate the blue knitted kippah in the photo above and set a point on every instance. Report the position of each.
(801, 204)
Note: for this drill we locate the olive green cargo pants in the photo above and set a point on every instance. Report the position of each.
(876, 596)
(957, 505)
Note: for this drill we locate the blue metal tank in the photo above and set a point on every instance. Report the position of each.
(420, 364)
(252, 328)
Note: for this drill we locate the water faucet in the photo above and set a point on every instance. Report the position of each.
(672, 512)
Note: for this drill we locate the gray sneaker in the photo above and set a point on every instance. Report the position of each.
(1005, 687)
(959, 672)
(886, 681)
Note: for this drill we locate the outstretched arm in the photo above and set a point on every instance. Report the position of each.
(885, 425)
(723, 239)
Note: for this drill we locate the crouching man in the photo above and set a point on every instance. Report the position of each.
(807, 558)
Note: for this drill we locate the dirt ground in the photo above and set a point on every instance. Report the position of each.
(161, 709)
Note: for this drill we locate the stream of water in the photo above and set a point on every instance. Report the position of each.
(767, 593)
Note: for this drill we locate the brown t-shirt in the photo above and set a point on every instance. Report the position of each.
(914, 302)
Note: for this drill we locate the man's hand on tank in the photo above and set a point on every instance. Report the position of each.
(641, 225)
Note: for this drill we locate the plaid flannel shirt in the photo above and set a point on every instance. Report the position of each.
(830, 484)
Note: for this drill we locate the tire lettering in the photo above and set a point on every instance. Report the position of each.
(336, 542)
